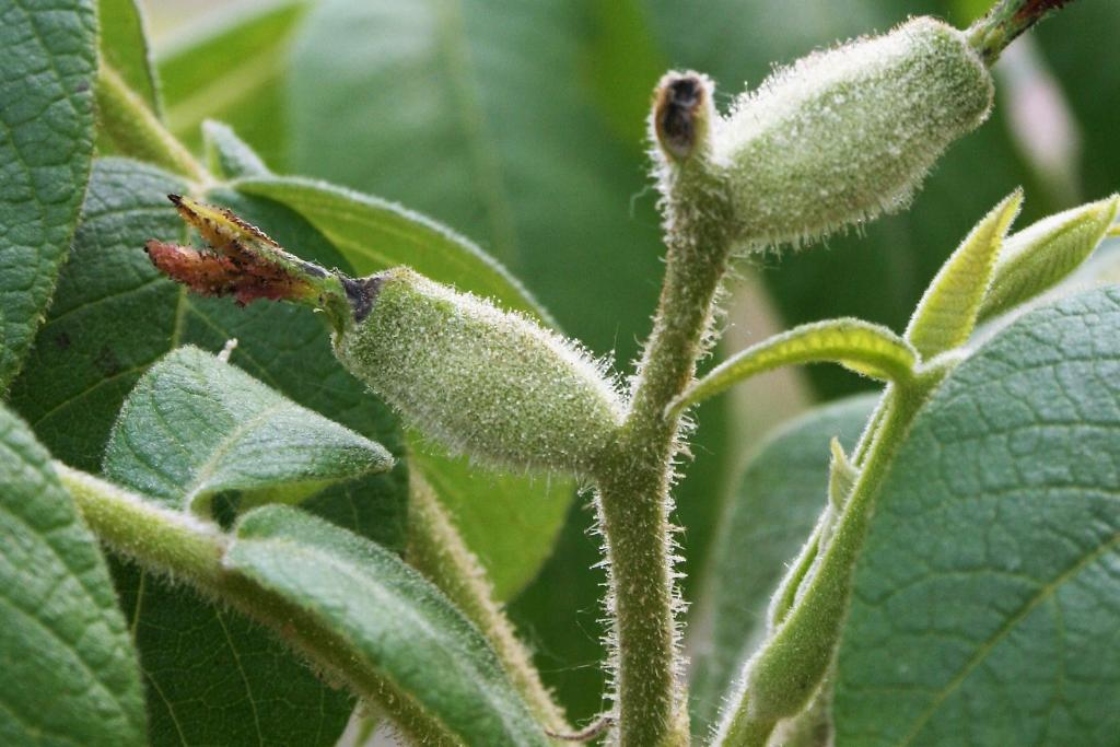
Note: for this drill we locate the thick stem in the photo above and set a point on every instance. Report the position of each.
(1005, 22)
(437, 550)
(136, 131)
(634, 501)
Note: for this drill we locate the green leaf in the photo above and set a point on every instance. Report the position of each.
(389, 621)
(196, 426)
(947, 313)
(124, 45)
(374, 235)
(233, 70)
(227, 155)
(48, 60)
(985, 602)
(214, 677)
(777, 500)
(86, 361)
(70, 674)
(1043, 254)
(863, 347)
(113, 317)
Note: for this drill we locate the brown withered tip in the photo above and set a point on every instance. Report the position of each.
(679, 112)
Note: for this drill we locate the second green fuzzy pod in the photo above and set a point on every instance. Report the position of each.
(846, 134)
(489, 383)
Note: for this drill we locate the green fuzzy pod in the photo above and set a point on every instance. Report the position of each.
(846, 134)
(488, 383)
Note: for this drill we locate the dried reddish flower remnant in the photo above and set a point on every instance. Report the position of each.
(242, 275)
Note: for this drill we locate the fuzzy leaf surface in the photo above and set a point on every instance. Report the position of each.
(388, 618)
(113, 317)
(777, 500)
(985, 601)
(48, 60)
(70, 673)
(947, 313)
(1042, 255)
(194, 426)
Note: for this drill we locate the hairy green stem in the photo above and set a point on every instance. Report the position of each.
(437, 550)
(633, 500)
(136, 131)
(172, 541)
(1005, 22)
(175, 544)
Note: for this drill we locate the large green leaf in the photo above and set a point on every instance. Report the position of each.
(779, 495)
(48, 59)
(985, 601)
(386, 618)
(112, 318)
(195, 426)
(233, 69)
(70, 674)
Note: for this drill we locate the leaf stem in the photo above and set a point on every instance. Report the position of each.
(782, 676)
(437, 550)
(633, 499)
(136, 131)
(178, 545)
(1005, 22)
(161, 539)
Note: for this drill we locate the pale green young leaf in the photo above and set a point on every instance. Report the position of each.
(776, 502)
(227, 155)
(985, 600)
(391, 622)
(1042, 255)
(947, 313)
(70, 672)
(48, 61)
(868, 349)
(195, 426)
(375, 235)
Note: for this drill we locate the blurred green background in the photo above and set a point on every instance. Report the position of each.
(521, 125)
